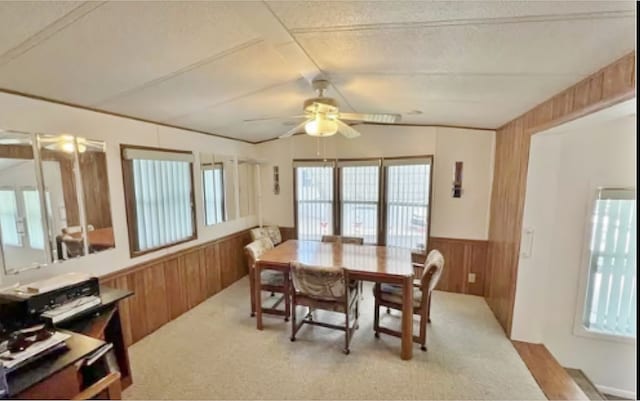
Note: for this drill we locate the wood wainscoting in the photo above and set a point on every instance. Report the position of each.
(612, 84)
(461, 257)
(169, 286)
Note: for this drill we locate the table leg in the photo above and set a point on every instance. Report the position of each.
(407, 319)
(257, 284)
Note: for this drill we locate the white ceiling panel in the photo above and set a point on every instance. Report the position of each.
(478, 100)
(122, 45)
(246, 70)
(19, 20)
(553, 47)
(227, 119)
(327, 14)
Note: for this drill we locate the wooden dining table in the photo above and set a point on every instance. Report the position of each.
(378, 264)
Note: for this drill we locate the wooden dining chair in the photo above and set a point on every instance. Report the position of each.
(272, 281)
(271, 232)
(346, 240)
(390, 296)
(257, 233)
(318, 287)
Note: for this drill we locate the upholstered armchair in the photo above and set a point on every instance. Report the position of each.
(390, 296)
(271, 281)
(271, 232)
(325, 288)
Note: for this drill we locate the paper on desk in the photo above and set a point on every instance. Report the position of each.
(33, 350)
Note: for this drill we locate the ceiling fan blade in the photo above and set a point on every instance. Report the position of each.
(274, 118)
(294, 129)
(346, 130)
(371, 117)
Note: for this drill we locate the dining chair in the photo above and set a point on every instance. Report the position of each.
(75, 246)
(271, 232)
(343, 240)
(324, 288)
(257, 233)
(390, 296)
(272, 281)
(346, 240)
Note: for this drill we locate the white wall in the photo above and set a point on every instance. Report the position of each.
(465, 217)
(565, 168)
(29, 115)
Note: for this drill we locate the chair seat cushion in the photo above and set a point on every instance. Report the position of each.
(270, 277)
(393, 293)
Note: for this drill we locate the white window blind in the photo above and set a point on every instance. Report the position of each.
(33, 216)
(213, 188)
(163, 204)
(610, 304)
(9, 218)
(359, 200)
(314, 198)
(407, 205)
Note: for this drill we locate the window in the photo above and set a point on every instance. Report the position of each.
(314, 199)
(610, 301)
(159, 194)
(407, 202)
(9, 218)
(384, 201)
(33, 216)
(359, 194)
(213, 188)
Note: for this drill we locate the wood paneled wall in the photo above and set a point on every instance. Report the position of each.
(612, 84)
(461, 257)
(169, 286)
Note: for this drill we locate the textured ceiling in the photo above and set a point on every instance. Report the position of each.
(208, 66)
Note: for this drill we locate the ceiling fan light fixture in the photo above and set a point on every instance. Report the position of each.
(321, 126)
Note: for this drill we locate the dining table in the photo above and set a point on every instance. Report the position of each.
(378, 264)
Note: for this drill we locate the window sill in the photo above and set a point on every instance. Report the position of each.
(599, 335)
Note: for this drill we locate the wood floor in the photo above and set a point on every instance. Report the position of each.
(552, 378)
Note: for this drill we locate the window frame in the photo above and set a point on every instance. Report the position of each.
(579, 328)
(130, 200)
(382, 193)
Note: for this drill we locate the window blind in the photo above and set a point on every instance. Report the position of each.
(407, 202)
(314, 201)
(359, 195)
(213, 188)
(611, 293)
(162, 201)
(33, 215)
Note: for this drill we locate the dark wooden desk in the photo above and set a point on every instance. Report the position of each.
(363, 262)
(55, 376)
(33, 380)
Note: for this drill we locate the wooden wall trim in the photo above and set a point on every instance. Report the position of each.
(168, 286)
(610, 85)
(461, 257)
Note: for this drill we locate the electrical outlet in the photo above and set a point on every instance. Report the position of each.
(472, 277)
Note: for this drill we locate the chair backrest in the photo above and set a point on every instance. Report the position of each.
(71, 229)
(274, 233)
(319, 282)
(433, 266)
(75, 246)
(343, 240)
(257, 233)
(255, 249)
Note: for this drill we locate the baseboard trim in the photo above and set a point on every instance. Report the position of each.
(616, 391)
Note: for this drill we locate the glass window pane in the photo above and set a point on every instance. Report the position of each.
(9, 218)
(314, 197)
(360, 191)
(610, 304)
(407, 205)
(212, 180)
(33, 215)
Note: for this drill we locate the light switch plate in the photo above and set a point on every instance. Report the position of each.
(472, 277)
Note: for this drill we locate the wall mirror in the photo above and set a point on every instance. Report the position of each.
(60, 207)
(247, 187)
(218, 177)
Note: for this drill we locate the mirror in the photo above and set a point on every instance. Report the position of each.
(217, 173)
(66, 177)
(247, 187)
(22, 232)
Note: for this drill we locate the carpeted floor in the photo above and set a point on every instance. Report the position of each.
(215, 352)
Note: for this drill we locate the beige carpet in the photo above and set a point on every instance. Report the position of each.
(215, 352)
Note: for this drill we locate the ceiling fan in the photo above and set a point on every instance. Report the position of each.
(322, 116)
